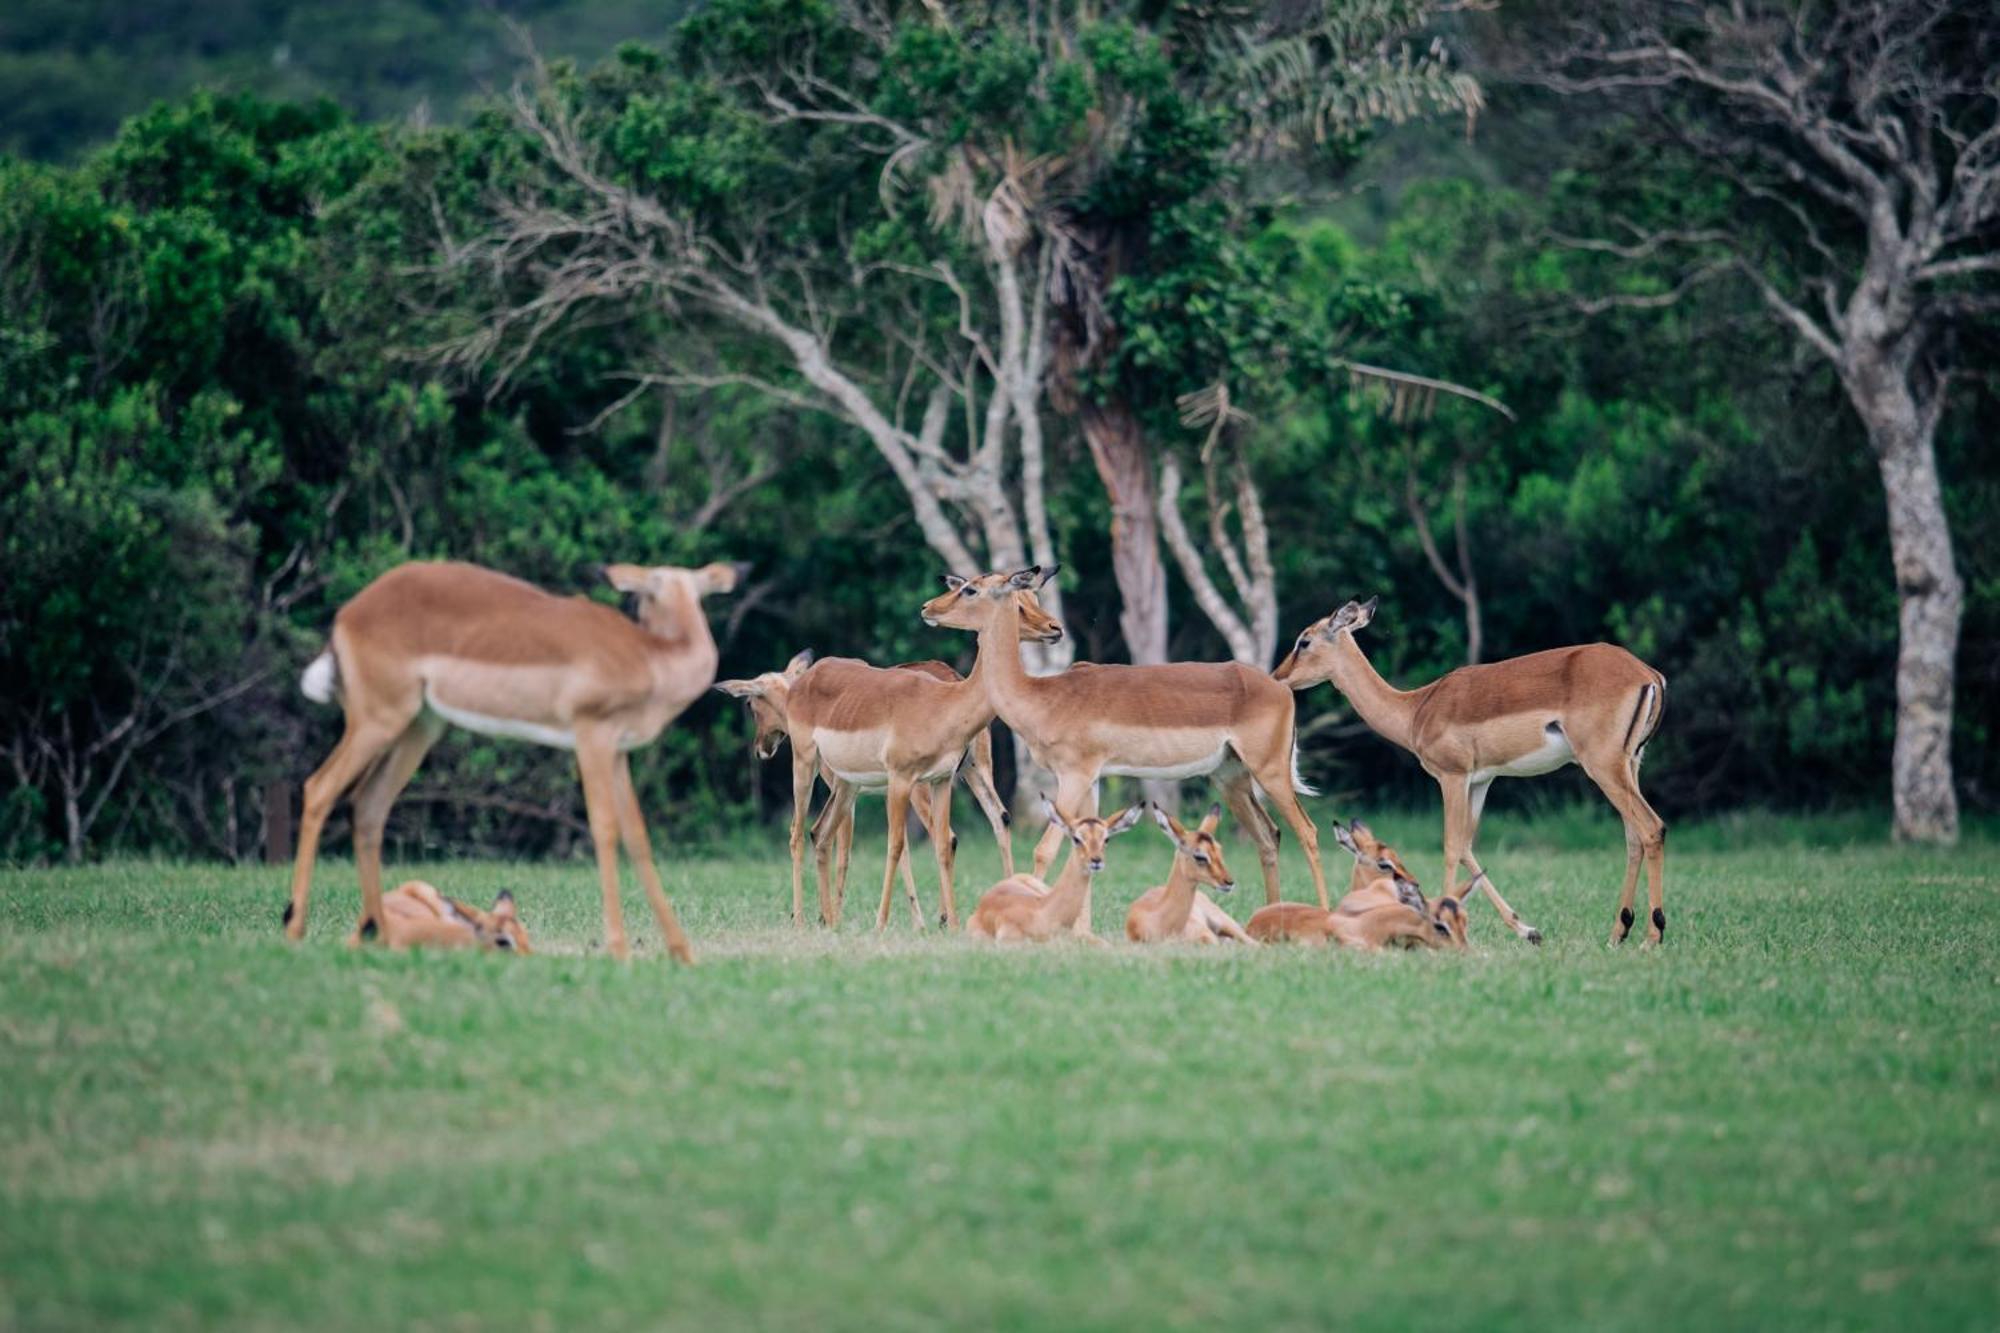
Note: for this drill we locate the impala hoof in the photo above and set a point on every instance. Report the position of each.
(290, 912)
(1531, 935)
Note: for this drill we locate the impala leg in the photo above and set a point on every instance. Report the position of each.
(1645, 838)
(979, 781)
(921, 795)
(1239, 793)
(899, 833)
(803, 770)
(1278, 787)
(945, 843)
(359, 748)
(845, 854)
(1463, 803)
(639, 851)
(1076, 794)
(595, 766)
(835, 822)
(378, 791)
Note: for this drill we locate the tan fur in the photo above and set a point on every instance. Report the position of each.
(1178, 910)
(415, 915)
(1184, 720)
(1595, 705)
(769, 698)
(1024, 907)
(428, 642)
(896, 729)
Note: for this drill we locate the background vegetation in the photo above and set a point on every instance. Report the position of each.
(234, 386)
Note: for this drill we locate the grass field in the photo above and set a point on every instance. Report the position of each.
(1788, 1117)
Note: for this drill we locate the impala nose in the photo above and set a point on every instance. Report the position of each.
(1227, 886)
(1096, 864)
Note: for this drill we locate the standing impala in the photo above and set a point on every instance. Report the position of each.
(892, 729)
(430, 644)
(1595, 705)
(1175, 721)
(769, 697)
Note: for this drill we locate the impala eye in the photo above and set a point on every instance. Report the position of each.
(504, 943)
(1201, 858)
(1384, 865)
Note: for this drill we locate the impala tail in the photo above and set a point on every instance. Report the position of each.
(321, 681)
(1299, 783)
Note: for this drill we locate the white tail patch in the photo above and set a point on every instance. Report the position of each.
(1299, 784)
(320, 679)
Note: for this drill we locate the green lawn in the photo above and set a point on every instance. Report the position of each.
(1790, 1116)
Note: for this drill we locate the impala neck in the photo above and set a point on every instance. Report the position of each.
(678, 625)
(998, 663)
(1180, 888)
(1382, 706)
(1066, 894)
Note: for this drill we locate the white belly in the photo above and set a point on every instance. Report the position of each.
(1553, 754)
(511, 728)
(1163, 766)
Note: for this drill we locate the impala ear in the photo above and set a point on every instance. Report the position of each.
(1031, 577)
(1055, 815)
(1345, 838)
(1365, 612)
(1047, 575)
(628, 578)
(954, 582)
(1213, 819)
(1127, 817)
(739, 689)
(800, 661)
(1361, 830)
(503, 904)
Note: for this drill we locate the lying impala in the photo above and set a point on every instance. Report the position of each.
(426, 645)
(1023, 907)
(1179, 909)
(769, 698)
(1383, 906)
(416, 915)
(1595, 705)
(1175, 721)
(889, 729)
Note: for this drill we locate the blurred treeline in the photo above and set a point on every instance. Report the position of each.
(221, 414)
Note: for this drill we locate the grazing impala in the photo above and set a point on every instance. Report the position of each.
(1023, 907)
(1175, 721)
(892, 729)
(769, 698)
(416, 915)
(430, 644)
(1595, 705)
(1178, 909)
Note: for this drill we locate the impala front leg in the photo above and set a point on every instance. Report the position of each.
(804, 766)
(899, 833)
(639, 851)
(594, 765)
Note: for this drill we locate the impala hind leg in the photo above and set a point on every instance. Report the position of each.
(803, 770)
(832, 834)
(1278, 787)
(639, 851)
(373, 798)
(979, 781)
(1645, 839)
(1239, 793)
(945, 844)
(359, 749)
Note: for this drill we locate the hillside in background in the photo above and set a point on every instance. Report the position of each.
(71, 70)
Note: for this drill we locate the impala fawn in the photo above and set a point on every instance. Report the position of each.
(1383, 906)
(1178, 909)
(416, 915)
(1022, 907)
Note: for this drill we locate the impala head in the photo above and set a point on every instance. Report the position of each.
(1373, 858)
(971, 603)
(1311, 659)
(1199, 846)
(1090, 833)
(768, 696)
(669, 596)
(1448, 921)
(499, 927)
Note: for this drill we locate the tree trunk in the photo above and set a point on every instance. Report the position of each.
(1118, 447)
(1929, 591)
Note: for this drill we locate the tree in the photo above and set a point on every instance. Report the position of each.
(1862, 140)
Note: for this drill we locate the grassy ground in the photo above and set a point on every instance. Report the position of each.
(1786, 1118)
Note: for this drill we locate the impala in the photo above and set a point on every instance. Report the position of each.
(1174, 721)
(892, 729)
(1023, 907)
(768, 696)
(1595, 705)
(1179, 909)
(416, 915)
(427, 645)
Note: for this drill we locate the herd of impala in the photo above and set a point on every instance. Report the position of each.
(430, 644)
